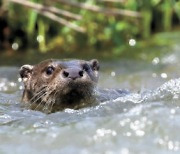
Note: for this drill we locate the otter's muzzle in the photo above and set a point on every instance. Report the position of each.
(72, 73)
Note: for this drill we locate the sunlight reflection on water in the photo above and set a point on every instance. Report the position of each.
(146, 121)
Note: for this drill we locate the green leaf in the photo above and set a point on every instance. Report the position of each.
(32, 18)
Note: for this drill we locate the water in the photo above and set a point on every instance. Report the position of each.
(146, 121)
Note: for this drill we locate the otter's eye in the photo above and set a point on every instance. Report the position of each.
(50, 70)
(86, 67)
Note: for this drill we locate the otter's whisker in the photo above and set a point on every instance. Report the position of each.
(38, 93)
(36, 96)
(49, 101)
(53, 102)
(40, 103)
(35, 101)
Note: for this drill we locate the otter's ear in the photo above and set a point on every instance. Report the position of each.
(25, 71)
(94, 64)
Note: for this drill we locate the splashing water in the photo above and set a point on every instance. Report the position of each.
(140, 122)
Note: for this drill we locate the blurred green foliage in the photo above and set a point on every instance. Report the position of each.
(104, 33)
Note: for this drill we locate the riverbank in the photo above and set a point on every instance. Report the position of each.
(146, 50)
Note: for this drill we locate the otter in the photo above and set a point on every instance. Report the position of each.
(54, 85)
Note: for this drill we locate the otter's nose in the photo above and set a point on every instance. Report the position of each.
(72, 73)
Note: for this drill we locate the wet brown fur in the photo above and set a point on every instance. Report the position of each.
(53, 92)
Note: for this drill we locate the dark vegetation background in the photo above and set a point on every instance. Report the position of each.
(31, 30)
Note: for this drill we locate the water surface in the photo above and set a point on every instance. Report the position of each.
(146, 121)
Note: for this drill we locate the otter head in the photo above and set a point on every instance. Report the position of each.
(56, 85)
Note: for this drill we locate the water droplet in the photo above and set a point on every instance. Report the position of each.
(172, 111)
(102, 132)
(69, 110)
(163, 75)
(21, 87)
(140, 133)
(40, 38)
(24, 79)
(132, 42)
(113, 74)
(19, 79)
(128, 134)
(161, 141)
(155, 61)
(15, 46)
(170, 145)
(12, 84)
